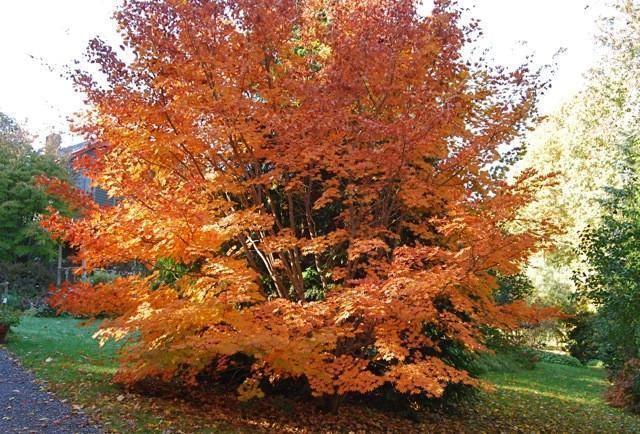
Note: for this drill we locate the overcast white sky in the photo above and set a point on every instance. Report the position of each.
(39, 37)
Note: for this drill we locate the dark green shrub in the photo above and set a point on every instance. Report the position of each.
(557, 358)
(582, 342)
(506, 354)
(28, 282)
(512, 288)
(101, 276)
(170, 271)
(9, 316)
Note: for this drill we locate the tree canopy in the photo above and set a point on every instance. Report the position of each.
(613, 273)
(21, 200)
(583, 146)
(14, 140)
(309, 185)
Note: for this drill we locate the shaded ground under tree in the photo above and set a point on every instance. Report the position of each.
(550, 398)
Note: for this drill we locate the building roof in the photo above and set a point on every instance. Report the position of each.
(73, 149)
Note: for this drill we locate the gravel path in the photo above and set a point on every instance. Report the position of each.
(26, 408)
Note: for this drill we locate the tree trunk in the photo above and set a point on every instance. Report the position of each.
(59, 270)
(4, 330)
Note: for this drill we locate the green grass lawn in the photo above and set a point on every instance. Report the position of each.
(63, 355)
(554, 398)
(550, 398)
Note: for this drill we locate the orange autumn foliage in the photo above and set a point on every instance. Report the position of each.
(321, 171)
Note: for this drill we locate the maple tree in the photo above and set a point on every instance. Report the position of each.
(309, 185)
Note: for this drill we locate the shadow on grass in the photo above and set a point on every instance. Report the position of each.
(550, 398)
(555, 398)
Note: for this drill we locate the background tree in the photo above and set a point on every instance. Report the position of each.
(308, 184)
(612, 280)
(583, 145)
(21, 200)
(14, 140)
(516, 287)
